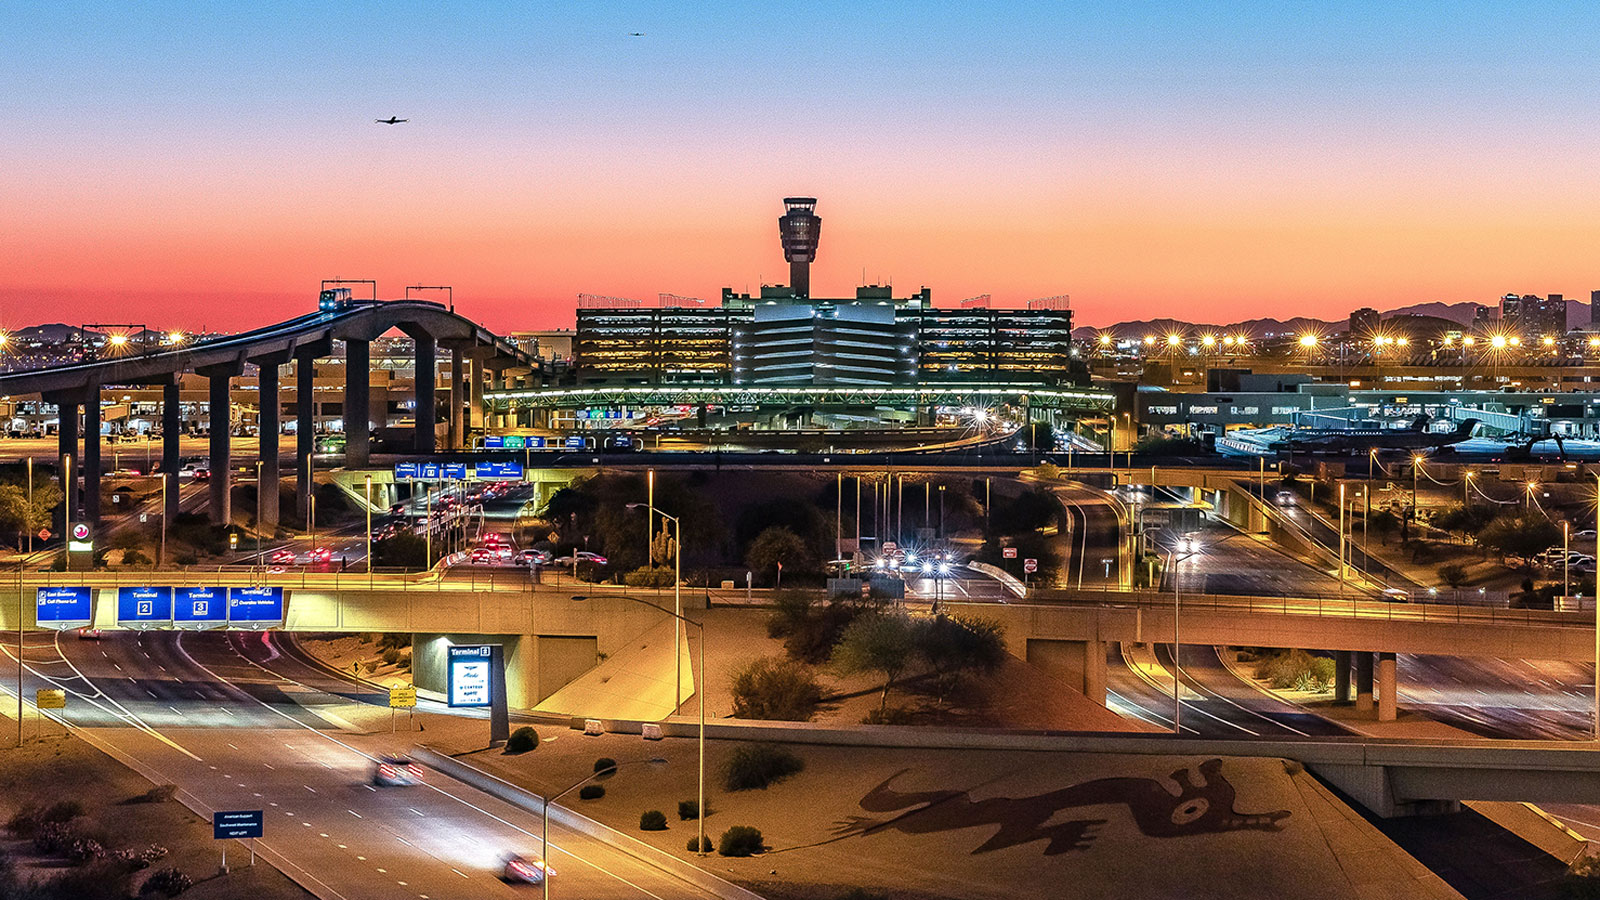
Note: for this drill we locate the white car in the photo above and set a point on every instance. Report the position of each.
(581, 556)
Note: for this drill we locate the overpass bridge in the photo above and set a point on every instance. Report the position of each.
(299, 341)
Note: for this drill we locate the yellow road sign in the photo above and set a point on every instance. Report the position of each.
(403, 697)
(51, 698)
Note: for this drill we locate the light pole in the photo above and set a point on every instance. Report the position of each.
(369, 531)
(544, 834)
(1566, 560)
(1177, 645)
(677, 602)
(260, 499)
(1466, 485)
(700, 689)
(1596, 679)
(1416, 464)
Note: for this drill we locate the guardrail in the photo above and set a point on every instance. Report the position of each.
(1579, 613)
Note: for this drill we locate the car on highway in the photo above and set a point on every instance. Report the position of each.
(536, 557)
(581, 556)
(202, 474)
(320, 555)
(525, 870)
(1397, 595)
(394, 770)
(483, 556)
(282, 556)
(1286, 498)
(89, 633)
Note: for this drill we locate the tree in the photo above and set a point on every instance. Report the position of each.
(954, 645)
(1384, 523)
(1520, 536)
(403, 550)
(18, 515)
(885, 643)
(778, 548)
(775, 688)
(1453, 574)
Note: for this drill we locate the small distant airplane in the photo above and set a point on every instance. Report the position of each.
(635, 34)
(390, 121)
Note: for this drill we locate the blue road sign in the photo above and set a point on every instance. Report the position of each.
(144, 607)
(574, 443)
(64, 607)
(407, 471)
(237, 823)
(490, 469)
(468, 675)
(255, 607)
(200, 607)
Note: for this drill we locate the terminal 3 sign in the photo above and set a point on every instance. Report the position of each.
(147, 608)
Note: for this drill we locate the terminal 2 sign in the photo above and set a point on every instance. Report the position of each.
(147, 608)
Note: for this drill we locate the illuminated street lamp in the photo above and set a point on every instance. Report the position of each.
(1498, 342)
(1308, 341)
(700, 691)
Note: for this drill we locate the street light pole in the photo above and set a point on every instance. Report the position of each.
(369, 531)
(544, 832)
(700, 690)
(677, 604)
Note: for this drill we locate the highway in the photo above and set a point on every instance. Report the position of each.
(200, 711)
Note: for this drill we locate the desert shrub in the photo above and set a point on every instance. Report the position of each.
(25, 821)
(759, 765)
(85, 849)
(1285, 670)
(775, 688)
(1453, 574)
(649, 577)
(95, 881)
(705, 845)
(134, 557)
(185, 559)
(53, 837)
(169, 882)
(889, 715)
(740, 840)
(688, 810)
(603, 764)
(653, 820)
(391, 656)
(522, 740)
(62, 811)
(591, 792)
(161, 793)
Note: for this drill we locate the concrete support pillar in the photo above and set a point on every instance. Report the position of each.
(91, 457)
(427, 374)
(457, 403)
(1094, 671)
(67, 459)
(1341, 676)
(171, 428)
(1363, 682)
(475, 396)
(1388, 685)
(221, 430)
(269, 426)
(357, 403)
(305, 438)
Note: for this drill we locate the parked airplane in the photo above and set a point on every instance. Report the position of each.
(1347, 440)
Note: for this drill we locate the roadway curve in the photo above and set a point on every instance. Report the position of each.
(199, 711)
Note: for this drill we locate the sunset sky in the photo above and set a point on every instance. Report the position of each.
(206, 165)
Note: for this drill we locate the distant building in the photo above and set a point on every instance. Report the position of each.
(1594, 310)
(783, 335)
(1364, 321)
(1533, 316)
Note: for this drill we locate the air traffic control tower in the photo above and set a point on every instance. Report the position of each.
(799, 227)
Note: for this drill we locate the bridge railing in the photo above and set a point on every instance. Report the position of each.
(1574, 611)
(459, 578)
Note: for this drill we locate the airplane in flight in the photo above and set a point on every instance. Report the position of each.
(635, 34)
(390, 121)
(1346, 440)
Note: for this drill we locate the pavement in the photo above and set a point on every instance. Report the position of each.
(201, 711)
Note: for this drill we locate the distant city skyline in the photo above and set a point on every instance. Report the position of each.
(1247, 161)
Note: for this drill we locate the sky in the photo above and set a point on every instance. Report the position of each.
(207, 165)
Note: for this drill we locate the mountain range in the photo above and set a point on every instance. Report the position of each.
(1460, 313)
